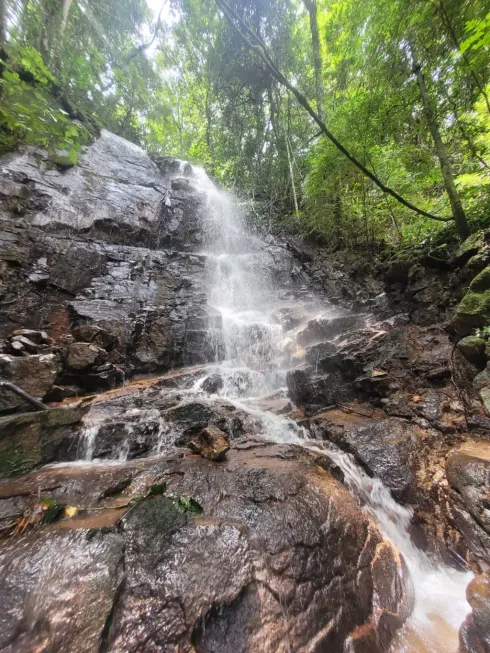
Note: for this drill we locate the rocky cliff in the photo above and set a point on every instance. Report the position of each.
(209, 523)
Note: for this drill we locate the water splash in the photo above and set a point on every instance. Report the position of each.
(88, 441)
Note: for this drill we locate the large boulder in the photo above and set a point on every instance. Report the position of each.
(468, 474)
(278, 536)
(321, 329)
(33, 374)
(387, 449)
(474, 309)
(474, 635)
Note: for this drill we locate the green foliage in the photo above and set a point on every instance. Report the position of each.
(478, 34)
(483, 332)
(197, 93)
(27, 113)
(52, 510)
(187, 504)
(157, 488)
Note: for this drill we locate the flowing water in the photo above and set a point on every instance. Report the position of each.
(252, 358)
(243, 294)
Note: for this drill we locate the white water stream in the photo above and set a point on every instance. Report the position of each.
(243, 293)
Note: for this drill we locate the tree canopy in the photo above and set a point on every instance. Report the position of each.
(255, 90)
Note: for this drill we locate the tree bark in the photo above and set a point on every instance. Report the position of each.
(257, 46)
(2, 23)
(65, 10)
(459, 215)
(317, 57)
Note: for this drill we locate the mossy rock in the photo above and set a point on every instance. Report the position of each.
(156, 519)
(474, 309)
(473, 349)
(61, 159)
(482, 380)
(471, 247)
(28, 440)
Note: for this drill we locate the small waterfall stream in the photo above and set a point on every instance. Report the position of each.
(243, 294)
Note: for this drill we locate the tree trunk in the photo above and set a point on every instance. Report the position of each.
(317, 57)
(291, 174)
(2, 24)
(257, 45)
(337, 217)
(459, 215)
(65, 10)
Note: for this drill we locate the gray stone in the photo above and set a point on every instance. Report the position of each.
(33, 374)
(83, 354)
(483, 379)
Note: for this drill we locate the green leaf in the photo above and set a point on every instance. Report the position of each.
(157, 488)
(188, 504)
(73, 156)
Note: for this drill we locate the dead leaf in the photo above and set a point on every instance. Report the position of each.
(379, 373)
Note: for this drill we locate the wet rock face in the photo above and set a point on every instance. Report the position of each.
(28, 440)
(109, 253)
(468, 474)
(278, 534)
(387, 449)
(34, 374)
(103, 253)
(474, 635)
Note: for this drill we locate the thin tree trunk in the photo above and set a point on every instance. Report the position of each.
(317, 57)
(291, 174)
(337, 217)
(65, 10)
(446, 169)
(2, 24)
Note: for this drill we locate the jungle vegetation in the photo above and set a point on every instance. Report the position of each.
(359, 122)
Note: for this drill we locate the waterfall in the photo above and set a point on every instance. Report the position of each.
(242, 293)
(251, 362)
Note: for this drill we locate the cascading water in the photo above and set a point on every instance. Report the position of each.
(243, 295)
(440, 600)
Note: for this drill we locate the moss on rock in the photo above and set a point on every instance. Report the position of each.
(474, 309)
(31, 439)
(473, 349)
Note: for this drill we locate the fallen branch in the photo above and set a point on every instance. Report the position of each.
(255, 43)
(38, 405)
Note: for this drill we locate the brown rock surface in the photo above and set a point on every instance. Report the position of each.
(282, 559)
(211, 443)
(33, 374)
